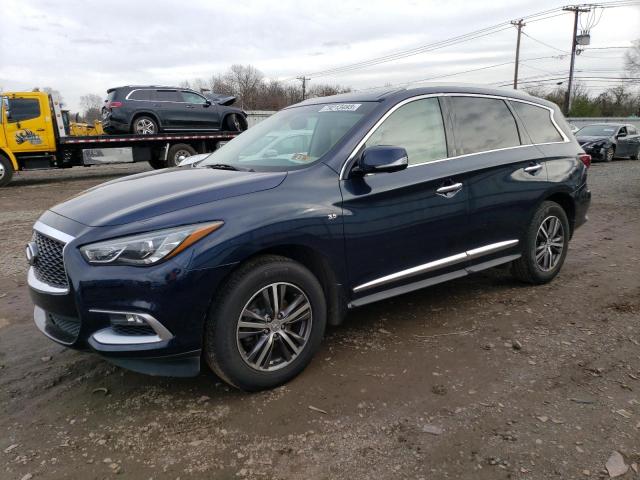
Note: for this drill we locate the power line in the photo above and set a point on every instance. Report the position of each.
(545, 44)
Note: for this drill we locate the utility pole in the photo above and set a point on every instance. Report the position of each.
(519, 24)
(303, 79)
(577, 10)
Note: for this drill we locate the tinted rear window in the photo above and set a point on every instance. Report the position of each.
(141, 95)
(482, 124)
(169, 95)
(538, 123)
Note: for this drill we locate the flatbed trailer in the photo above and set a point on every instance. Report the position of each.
(34, 136)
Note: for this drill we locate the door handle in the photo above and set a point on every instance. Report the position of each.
(533, 168)
(449, 191)
(189, 106)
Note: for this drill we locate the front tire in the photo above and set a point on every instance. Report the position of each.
(6, 171)
(235, 123)
(609, 154)
(265, 324)
(545, 245)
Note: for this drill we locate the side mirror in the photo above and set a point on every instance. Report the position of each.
(383, 158)
(207, 103)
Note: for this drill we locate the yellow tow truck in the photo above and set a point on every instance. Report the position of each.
(36, 134)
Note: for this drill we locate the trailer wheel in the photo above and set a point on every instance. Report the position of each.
(179, 152)
(157, 163)
(6, 171)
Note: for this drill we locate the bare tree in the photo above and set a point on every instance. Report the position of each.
(91, 107)
(632, 59)
(245, 81)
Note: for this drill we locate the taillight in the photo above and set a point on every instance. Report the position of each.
(114, 104)
(586, 159)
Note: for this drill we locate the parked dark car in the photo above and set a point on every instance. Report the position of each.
(243, 260)
(151, 110)
(606, 141)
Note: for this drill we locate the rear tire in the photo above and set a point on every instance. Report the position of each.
(235, 123)
(144, 125)
(179, 152)
(252, 357)
(545, 245)
(6, 171)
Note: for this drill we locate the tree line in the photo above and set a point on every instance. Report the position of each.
(255, 91)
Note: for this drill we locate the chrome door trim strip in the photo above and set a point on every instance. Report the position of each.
(436, 264)
(394, 291)
(494, 247)
(565, 139)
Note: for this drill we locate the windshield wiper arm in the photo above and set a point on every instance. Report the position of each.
(222, 166)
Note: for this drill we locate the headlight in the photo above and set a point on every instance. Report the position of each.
(147, 248)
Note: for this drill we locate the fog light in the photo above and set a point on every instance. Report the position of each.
(127, 319)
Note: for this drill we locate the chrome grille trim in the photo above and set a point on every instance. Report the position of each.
(35, 278)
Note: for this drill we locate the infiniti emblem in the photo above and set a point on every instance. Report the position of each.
(31, 252)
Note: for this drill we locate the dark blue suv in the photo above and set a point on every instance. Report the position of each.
(243, 260)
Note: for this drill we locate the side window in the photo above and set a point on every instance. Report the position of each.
(20, 109)
(623, 131)
(482, 124)
(168, 96)
(191, 97)
(141, 95)
(537, 121)
(416, 126)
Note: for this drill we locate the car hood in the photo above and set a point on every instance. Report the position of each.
(582, 139)
(145, 195)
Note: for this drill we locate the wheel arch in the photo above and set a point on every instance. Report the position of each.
(567, 203)
(242, 116)
(141, 113)
(11, 157)
(321, 268)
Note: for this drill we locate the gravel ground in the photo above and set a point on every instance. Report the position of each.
(481, 378)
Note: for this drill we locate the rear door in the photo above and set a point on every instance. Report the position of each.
(627, 143)
(409, 225)
(507, 174)
(170, 108)
(29, 125)
(199, 113)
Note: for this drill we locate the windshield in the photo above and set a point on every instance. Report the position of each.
(597, 131)
(290, 139)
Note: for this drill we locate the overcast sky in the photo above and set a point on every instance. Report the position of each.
(87, 46)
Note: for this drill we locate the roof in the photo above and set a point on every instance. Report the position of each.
(397, 94)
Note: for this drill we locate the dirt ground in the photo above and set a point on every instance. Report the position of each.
(480, 378)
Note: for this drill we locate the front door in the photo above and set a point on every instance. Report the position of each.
(199, 113)
(28, 123)
(409, 225)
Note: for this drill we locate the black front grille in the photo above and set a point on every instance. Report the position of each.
(62, 328)
(48, 265)
(133, 329)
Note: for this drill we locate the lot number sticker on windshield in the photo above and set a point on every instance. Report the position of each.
(341, 107)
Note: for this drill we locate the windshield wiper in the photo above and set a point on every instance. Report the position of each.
(222, 166)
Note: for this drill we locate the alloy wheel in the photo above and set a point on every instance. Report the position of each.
(2, 172)
(144, 126)
(180, 156)
(549, 243)
(274, 327)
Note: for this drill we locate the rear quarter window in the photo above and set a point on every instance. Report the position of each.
(141, 95)
(537, 121)
(482, 124)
